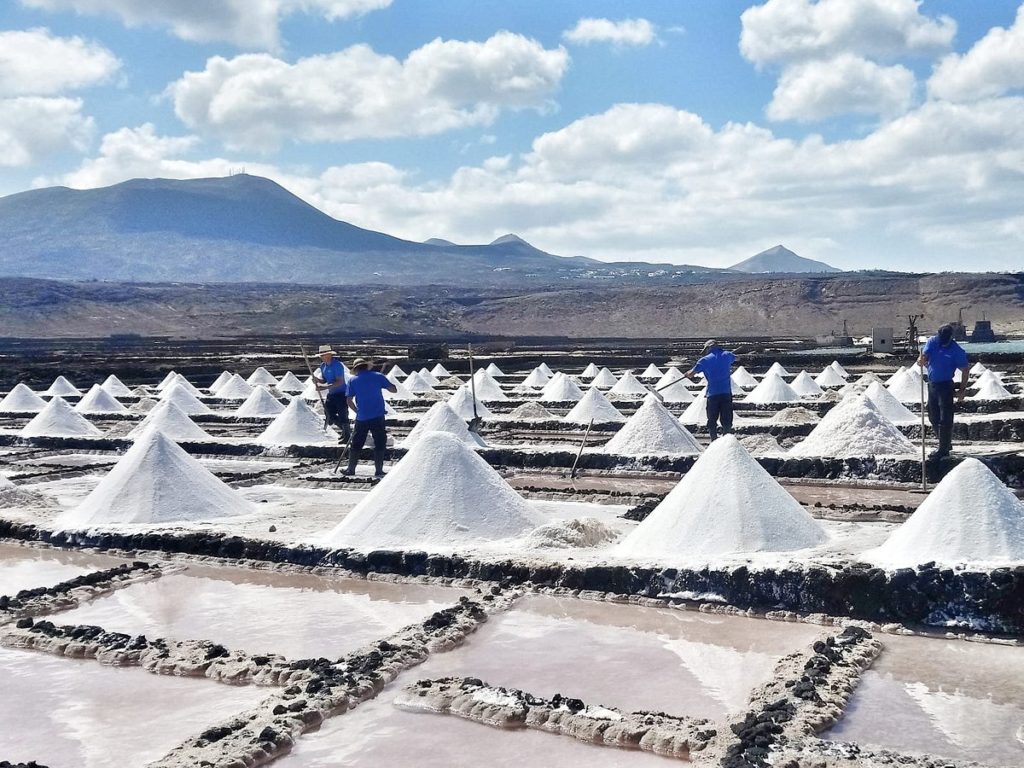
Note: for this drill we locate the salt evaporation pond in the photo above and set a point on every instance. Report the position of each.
(298, 615)
(953, 699)
(67, 712)
(27, 567)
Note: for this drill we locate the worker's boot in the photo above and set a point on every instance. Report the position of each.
(350, 470)
(378, 464)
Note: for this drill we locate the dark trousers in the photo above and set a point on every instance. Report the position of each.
(940, 412)
(373, 427)
(719, 411)
(336, 411)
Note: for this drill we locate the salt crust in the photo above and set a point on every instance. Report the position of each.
(854, 427)
(184, 399)
(969, 517)
(260, 403)
(156, 482)
(170, 421)
(560, 389)
(143, 405)
(889, 406)
(772, 389)
(58, 419)
(97, 400)
(565, 534)
(593, 405)
(461, 402)
(440, 494)
(115, 386)
(727, 503)
(441, 418)
(297, 424)
(21, 399)
(61, 387)
(652, 431)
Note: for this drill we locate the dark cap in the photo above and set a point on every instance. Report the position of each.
(945, 334)
(710, 344)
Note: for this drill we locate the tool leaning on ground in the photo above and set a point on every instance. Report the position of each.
(474, 423)
(319, 393)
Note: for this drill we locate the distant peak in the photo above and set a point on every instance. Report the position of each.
(509, 238)
(438, 241)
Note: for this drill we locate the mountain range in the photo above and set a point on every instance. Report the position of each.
(244, 228)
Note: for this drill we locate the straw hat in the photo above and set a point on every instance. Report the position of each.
(325, 349)
(360, 363)
(709, 344)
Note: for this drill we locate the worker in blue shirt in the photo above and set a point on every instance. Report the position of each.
(366, 397)
(716, 365)
(943, 357)
(330, 378)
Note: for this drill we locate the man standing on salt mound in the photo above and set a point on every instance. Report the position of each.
(943, 357)
(716, 365)
(366, 398)
(331, 379)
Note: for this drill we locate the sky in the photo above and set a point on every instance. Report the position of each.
(865, 133)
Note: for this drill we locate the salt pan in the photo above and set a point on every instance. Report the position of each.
(652, 431)
(726, 504)
(156, 482)
(969, 517)
(594, 405)
(58, 419)
(439, 495)
(854, 427)
(762, 445)
(21, 399)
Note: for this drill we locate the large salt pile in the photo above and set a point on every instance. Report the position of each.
(185, 384)
(969, 517)
(805, 386)
(61, 387)
(156, 482)
(184, 399)
(777, 368)
(395, 370)
(115, 387)
(604, 379)
(58, 419)
(21, 399)
(906, 387)
(835, 366)
(546, 370)
(889, 406)
(629, 386)
(462, 403)
(417, 384)
(854, 427)
(650, 372)
(171, 421)
(530, 411)
(439, 495)
(990, 388)
(143, 405)
(829, 378)
(673, 374)
(868, 379)
(441, 418)
(676, 392)
(594, 405)
(236, 388)
(977, 369)
(590, 371)
(742, 377)
(223, 378)
(494, 370)
(166, 381)
(452, 382)
(289, 384)
(772, 389)
(899, 371)
(97, 400)
(440, 371)
(652, 431)
(297, 424)
(402, 393)
(696, 413)
(537, 379)
(726, 504)
(561, 389)
(487, 388)
(260, 403)
(261, 376)
(428, 377)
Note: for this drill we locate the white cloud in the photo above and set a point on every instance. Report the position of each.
(250, 24)
(847, 84)
(780, 31)
(628, 32)
(33, 127)
(938, 187)
(993, 66)
(259, 101)
(35, 62)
